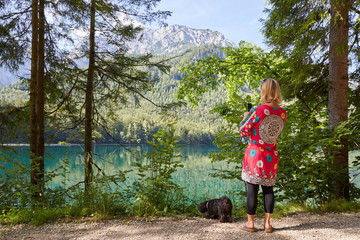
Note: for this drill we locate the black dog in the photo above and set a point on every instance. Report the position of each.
(217, 208)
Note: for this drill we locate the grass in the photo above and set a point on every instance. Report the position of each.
(39, 216)
(287, 208)
(335, 206)
(338, 206)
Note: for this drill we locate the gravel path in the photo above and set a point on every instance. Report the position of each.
(297, 226)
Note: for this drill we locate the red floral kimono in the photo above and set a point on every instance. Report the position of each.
(263, 125)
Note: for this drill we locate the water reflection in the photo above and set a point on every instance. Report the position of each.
(195, 176)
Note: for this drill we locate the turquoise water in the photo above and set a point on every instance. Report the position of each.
(194, 176)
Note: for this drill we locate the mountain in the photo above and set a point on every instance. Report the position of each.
(6, 77)
(163, 41)
(137, 124)
(176, 38)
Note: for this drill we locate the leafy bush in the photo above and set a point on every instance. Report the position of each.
(17, 191)
(98, 202)
(154, 192)
(308, 170)
(36, 216)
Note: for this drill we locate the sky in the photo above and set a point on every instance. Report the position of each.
(238, 20)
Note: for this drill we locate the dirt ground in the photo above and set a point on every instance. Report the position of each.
(297, 226)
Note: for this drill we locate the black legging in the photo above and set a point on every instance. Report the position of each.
(252, 194)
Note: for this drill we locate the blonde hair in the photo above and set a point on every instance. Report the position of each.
(270, 91)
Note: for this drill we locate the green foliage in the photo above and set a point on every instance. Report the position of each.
(339, 206)
(297, 29)
(300, 31)
(16, 202)
(307, 174)
(152, 194)
(287, 208)
(231, 150)
(154, 191)
(37, 216)
(139, 120)
(14, 114)
(18, 206)
(310, 56)
(241, 70)
(17, 191)
(219, 81)
(98, 202)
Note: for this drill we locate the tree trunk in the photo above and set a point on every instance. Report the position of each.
(41, 95)
(89, 102)
(37, 148)
(33, 100)
(338, 89)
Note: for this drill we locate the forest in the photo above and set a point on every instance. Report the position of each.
(197, 97)
(130, 128)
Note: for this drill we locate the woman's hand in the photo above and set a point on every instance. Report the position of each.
(246, 114)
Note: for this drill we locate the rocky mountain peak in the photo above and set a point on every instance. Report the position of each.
(173, 38)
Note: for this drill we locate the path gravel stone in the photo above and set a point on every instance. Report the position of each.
(297, 226)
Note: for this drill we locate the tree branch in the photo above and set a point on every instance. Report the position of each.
(7, 16)
(132, 89)
(68, 94)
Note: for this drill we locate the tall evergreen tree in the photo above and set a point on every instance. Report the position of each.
(338, 87)
(112, 76)
(314, 35)
(15, 40)
(24, 27)
(37, 149)
(35, 161)
(89, 100)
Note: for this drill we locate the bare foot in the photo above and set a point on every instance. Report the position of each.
(250, 224)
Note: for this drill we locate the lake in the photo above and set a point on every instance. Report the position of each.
(194, 176)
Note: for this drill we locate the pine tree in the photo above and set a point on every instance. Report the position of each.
(112, 77)
(15, 36)
(37, 148)
(338, 88)
(319, 51)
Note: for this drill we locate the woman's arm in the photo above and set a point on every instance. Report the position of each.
(247, 123)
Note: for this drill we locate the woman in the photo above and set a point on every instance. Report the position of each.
(263, 125)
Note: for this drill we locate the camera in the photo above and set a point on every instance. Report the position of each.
(249, 106)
